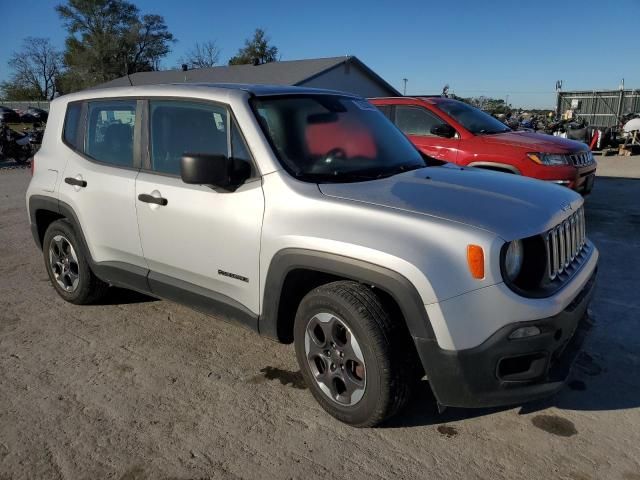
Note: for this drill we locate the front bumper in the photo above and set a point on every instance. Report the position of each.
(501, 371)
(579, 179)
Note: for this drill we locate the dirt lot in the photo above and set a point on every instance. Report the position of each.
(143, 389)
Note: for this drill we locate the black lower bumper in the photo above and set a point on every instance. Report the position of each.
(584, 180)
(503, 371)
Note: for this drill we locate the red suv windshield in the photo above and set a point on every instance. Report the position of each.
(471, 118)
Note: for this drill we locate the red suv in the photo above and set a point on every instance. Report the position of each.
(456, 132)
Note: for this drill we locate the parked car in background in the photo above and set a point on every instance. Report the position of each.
(38, 113)
(305, 215)
(15, 145)
(456, 132)
(8, 115)
(26, 117)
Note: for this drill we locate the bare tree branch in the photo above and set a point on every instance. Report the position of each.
(202, 55)
(35, 67)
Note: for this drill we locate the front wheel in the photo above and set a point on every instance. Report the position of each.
(352, 354)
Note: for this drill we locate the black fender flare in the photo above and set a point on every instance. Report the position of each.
(391, 282)
(36, 204)
(114, 273)
(41, 202)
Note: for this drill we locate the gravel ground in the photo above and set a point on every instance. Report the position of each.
(142, 389)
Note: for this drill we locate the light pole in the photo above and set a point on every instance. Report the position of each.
(405, 80)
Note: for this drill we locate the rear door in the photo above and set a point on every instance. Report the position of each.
(99, 178)
(201, 241)
(416, 122)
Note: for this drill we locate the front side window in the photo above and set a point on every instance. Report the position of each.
(331, 138)
(109, 136)
(472, 118)
(416, 120)
(179, 127)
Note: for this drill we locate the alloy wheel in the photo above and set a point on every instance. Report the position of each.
(64, 263)
(335, 359)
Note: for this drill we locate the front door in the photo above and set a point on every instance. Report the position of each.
(416, 122)
(203, 242)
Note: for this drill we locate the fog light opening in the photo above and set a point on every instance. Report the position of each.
(524, 332)
(522, 368)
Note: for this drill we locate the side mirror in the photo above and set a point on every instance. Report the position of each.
(443, 130)
(215, 170)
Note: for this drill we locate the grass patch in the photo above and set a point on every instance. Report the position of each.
(19, 127)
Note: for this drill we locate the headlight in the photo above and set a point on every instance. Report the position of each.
(552, 159)
(513, 259)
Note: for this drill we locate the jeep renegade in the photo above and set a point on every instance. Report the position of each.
(307, 216)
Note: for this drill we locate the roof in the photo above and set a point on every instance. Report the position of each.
(262, 90)
(290, 72)
(199, 90)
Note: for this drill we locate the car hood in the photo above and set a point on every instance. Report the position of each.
(535, 142)
(508, 205)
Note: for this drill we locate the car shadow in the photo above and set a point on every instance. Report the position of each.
(591, 387)
(423, 411)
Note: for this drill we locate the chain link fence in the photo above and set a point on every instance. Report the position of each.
(600, 108)
(23, 105)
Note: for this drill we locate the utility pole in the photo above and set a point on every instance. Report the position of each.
(405, 80)
(620, 100)
(558, 98)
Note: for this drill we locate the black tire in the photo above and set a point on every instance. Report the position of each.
(89, 288)
(383, 343)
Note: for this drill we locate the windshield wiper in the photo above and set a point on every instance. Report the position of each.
(407, 167)
(357, 175)
(335, 177)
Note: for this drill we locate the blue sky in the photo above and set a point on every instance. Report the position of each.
(492, 48)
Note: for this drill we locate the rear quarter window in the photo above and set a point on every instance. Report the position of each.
(71, 129)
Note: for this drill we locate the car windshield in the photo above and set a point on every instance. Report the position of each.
(472, 118)
(333, 138)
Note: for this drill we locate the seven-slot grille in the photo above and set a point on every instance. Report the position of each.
(581, 159)
(564, 243)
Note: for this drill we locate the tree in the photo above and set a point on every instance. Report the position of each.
(492, 105)
(108, 39)
(202, 55)
(35, 68)
(256, 50)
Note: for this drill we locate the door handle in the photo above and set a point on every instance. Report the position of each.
(146, 198)
(75, 182)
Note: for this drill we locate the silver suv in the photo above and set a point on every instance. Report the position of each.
(308, 217)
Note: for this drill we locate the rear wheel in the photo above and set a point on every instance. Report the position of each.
(352, 354)
(68, 265)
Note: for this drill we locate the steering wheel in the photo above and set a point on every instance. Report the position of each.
(329, 161)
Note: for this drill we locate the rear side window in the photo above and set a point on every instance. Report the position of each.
(72, 126)
(178, 127)
(416, 120)
(109, 136)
